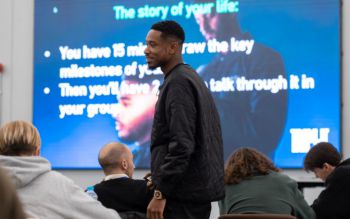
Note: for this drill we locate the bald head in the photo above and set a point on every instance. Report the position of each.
(116, 158)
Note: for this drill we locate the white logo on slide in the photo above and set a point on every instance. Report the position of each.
(303, 138)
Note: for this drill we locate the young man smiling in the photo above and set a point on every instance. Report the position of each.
(186, 144)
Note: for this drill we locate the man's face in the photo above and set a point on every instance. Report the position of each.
(323, 172)
(135, 117)
(157, 50)
(208, 25)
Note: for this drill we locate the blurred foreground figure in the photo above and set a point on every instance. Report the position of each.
(44, 193)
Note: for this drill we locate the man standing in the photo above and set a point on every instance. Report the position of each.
(324, 160)
(186, 145)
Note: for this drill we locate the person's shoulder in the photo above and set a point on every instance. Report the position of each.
(55, 181)
(58, 177)
(138, 182)
(122, 184)
(183, 71)
(341, 172)
(123, 180)
(282, 178)
(183, 76)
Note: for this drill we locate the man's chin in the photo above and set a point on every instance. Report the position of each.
(151, 67)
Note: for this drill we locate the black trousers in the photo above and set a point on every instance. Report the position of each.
(182, 210)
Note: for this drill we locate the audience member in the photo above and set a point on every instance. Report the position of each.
(43, 192)
(186, 146)
(324, 160)
(10, 207)
(118, 190)
(255, 185)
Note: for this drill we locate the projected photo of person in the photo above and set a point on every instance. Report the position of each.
(134, 118)
(257, 57)
(250, 115)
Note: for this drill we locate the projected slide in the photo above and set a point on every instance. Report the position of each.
(272, 66)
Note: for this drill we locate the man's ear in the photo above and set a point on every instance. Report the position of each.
(327, 166)
(124, 164)
(174, 47)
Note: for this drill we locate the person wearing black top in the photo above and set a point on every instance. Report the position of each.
(333, 202)
(118, 190)
(187, 163)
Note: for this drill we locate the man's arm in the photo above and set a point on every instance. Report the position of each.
(181, 118)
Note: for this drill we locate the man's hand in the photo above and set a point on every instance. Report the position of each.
(155, 208)
(148, 179)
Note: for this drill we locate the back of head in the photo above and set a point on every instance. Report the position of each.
(10, 207)
(320, 154)
(19, 138)
(116, 158)
(170, 29)
(246, 162)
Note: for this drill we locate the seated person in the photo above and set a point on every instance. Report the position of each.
(254, 185)
(324, 160)
(44, 193)
(10, 207)
(118, 190)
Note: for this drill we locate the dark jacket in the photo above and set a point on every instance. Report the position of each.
(333, 202)
(124, 194)
(186, 148)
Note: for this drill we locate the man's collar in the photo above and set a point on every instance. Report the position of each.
(115, 176)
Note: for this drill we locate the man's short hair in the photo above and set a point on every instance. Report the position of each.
(170, 29)
(320, 154)
(19, 138)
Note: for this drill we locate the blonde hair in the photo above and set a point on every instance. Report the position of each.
(19, 138)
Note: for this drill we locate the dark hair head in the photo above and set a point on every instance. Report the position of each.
(246, 162)
(170, 29)
(320, 154)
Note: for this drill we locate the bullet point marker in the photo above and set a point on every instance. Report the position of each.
(46, 90)
(55, 10)
(47, 53)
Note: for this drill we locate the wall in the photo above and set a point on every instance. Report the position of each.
(16, 83)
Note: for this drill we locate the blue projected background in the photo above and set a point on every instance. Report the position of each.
(275, 77)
